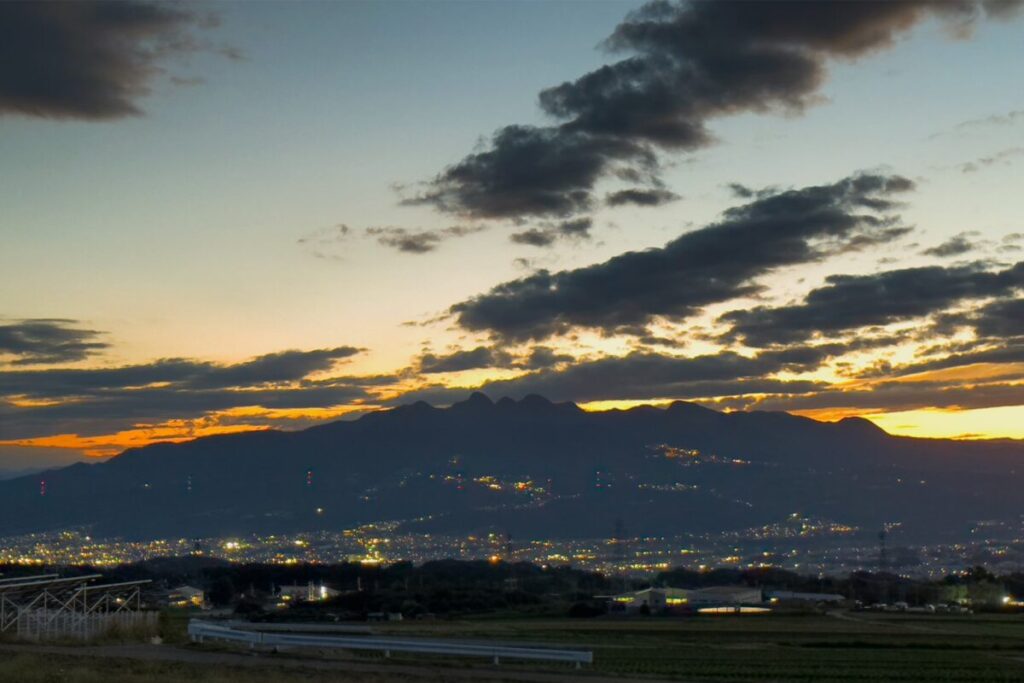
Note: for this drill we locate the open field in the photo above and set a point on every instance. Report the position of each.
(49, 668)
(837, 647)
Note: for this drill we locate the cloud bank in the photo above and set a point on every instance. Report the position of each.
(687, 64)
(719, 262)
(47, 341)
(92, 60)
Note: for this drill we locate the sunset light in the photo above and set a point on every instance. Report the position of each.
(428, 331)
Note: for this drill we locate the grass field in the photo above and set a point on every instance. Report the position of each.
(848, 647)
(34, 668)
(845, 647)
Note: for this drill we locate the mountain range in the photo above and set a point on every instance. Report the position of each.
(535, 469)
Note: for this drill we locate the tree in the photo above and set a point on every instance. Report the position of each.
(222, 592)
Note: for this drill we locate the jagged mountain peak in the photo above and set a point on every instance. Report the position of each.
(478, 402)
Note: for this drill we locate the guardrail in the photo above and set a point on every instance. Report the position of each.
(199, 630)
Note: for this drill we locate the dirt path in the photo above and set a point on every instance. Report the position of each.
(400, 671)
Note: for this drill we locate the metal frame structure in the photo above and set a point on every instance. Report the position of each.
(48, 607)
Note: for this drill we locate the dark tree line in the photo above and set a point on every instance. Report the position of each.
(451, 587)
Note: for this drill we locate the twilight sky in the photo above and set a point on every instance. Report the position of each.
(227, 216)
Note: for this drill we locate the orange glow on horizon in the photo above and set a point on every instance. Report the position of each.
(1005, 422)
(601, 406)
(966, 424)
(313, 413)
(106, 445)
(986, 423)
(833, 414)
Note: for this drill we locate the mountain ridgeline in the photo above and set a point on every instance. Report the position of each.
(533, 468)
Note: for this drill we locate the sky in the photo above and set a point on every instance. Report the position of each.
(230, 216)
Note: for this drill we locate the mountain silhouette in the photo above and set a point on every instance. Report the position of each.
(533, 468)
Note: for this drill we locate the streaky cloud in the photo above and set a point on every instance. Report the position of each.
(719, 262)
(849, 302)
(48, 341)
(641, 197)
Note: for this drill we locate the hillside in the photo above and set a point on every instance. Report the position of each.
(533, 468)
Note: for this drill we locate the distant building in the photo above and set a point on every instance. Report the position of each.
(309, 592)
(655, 599)
(816, 598)
(686, 599)
(186, 596)
(725, 596)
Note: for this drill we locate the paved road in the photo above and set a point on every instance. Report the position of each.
(400, 671)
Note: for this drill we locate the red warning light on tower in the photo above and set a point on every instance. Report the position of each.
(309, 477)
(42, 487)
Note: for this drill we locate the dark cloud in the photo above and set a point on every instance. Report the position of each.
(418, 241)
(893, 396)
(61, 382)
(850, 302)
(642, 375)
(646, 375)
(273, 368)
(469, 359)
(102, 400)
(954, 246)
(48, 341)
(713, 264)
(543, 357)
(648, 339)
(534, 237)
(806, 358)
(528, 170)
(874, 239)
(405, 240)
(122, 408)
(949, 356)
(696, 61)
(328, 242)
(176, 374)
(687, 64)
(741, 191)
(641, 197)
(1002, 319)
(89, 59)
(579, 227)
(1005, 156)
(548, 233)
